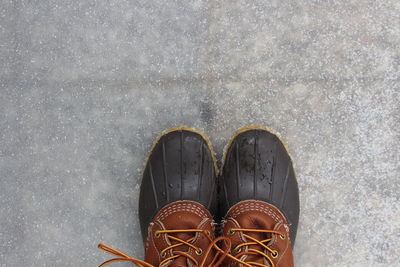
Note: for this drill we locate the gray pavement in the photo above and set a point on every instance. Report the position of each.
(85, 86)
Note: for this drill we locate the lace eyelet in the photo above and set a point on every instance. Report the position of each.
(199, 251)
(237, 250)
(283, 237)
(207, 232)
(274, 254)
(163, 254)
(230, 232)
(157, 234)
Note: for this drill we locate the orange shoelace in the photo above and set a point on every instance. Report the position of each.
(218, 258)
(251, 251)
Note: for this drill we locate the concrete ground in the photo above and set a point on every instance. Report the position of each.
(85, 87)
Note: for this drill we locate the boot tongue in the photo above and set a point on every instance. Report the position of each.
(260, 221)
(181, 221)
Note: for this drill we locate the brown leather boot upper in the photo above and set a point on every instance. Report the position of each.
(259, 234)
(181, 234)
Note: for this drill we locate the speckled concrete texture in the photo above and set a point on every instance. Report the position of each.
(85, 87)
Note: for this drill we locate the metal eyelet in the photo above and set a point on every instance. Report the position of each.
(157, 234)
(237, 250)
(283, 237)
(163, 254)
(274, 254)
(230, 232)
(199, 251)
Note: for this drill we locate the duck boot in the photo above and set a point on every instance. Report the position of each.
(178, 197)
(260, 199)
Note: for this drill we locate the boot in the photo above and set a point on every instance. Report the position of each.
(259, 197)
(178, 197)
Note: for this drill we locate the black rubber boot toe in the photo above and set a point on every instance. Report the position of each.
(181, 166)
(257, 166)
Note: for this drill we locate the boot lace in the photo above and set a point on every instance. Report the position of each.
(251, 251)
(218, 258)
